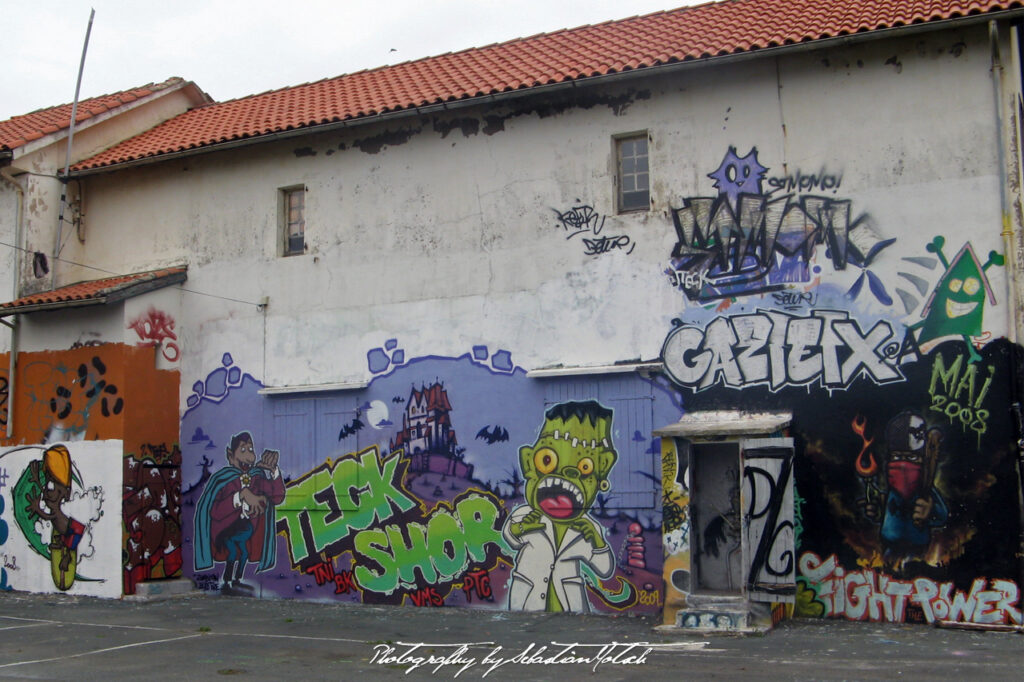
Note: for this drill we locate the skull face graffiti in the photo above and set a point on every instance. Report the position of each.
(568, 466)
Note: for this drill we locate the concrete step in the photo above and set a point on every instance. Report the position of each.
(155, 590)
(728, 615)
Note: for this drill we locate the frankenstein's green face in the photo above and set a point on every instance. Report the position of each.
(568, 465)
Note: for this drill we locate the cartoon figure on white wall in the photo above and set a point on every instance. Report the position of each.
(40, 495)
(555, 539)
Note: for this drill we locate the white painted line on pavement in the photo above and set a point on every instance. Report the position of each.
(313, 639)
(30, 620)
(26, 625)
(97, 651)
(40, 621)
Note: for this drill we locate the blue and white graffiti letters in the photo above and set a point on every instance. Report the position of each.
(778, 349)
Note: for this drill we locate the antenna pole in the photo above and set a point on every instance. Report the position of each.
(67, 158)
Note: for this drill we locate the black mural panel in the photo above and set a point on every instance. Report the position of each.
(907, 493)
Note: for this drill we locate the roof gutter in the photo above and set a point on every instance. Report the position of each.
(53, 305)
(586, 81)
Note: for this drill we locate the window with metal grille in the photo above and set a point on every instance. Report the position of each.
(293, 224)
(634, 177)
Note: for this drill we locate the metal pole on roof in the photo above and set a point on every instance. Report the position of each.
(67, 157)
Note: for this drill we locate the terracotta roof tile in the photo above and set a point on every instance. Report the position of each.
(688, 33)
(15, 132)
(95, 291)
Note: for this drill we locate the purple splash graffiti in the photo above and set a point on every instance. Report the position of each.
(738, 175)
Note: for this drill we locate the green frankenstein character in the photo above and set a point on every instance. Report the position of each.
(556, 541)
(956, 305)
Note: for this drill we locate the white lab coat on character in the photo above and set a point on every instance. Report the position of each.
(539, 563)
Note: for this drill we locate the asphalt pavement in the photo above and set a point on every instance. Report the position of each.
(206, 637)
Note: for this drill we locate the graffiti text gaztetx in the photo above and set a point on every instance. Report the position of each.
(778, 349)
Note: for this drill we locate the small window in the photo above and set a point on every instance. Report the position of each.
(293, 223)
(634, 176)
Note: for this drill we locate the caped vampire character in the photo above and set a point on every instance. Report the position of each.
(235, 516)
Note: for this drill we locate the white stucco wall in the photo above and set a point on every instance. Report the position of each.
(447, 240)
(8, 220)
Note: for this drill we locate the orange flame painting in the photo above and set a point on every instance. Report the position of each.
(865, 463)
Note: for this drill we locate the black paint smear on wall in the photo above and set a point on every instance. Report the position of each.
(468, 126)
(543, 106)
(373, 144)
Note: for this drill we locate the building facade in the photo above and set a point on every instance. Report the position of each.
(439, 354)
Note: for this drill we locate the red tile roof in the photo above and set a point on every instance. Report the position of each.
(688, 33)
(95, 292)
(20, 130)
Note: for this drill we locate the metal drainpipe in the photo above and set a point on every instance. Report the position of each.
(15, 277)
(1007, 234)
(1005, 205)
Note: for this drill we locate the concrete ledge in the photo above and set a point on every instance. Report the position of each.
(163, 589)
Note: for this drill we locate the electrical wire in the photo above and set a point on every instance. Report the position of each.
(258, 306)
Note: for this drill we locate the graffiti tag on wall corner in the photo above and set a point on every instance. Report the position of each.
(156, 328)
(778, 349)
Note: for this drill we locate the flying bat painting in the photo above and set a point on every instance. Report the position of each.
(348, 429)
(492, 436)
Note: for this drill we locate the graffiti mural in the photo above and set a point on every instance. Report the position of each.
(584, 220)
(958, 392)
(904, 502)
(440, 544)
(430, 503)
(234, 520)
(67, 400)
(777, 349)
(4, 397)
(956, 305)
(555, 539)
(914, 496)
(63, 532)
(768, 520)
(156, 328)
(876, 596)
(746, 241)
(152, 515)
